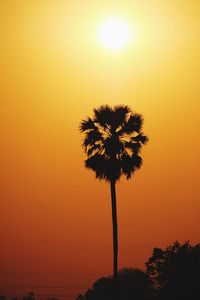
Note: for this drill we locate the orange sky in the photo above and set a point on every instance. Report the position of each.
(55, 224)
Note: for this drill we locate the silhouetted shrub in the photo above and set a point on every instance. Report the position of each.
(132, 284)
(176, 271)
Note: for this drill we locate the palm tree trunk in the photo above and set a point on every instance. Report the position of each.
(115, 235)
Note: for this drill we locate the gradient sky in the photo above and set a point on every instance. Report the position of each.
(55, 223)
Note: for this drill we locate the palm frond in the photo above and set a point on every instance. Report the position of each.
(87, 124)
(103, 167)
(103, 115)
(133, 124)
(94, 136)
(127, 166)
(134, 147)
(140, 138)
(93, 149)
(122, 110)
(86, 143)
(113, 146)
(98, 164)
(137, 160)
(91, 137)
(130, 164)
(120, 116)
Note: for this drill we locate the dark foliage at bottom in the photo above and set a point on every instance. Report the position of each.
(171, 274)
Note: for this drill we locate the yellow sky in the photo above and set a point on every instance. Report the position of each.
(54, 71)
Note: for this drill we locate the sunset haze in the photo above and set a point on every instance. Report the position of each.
(55, 223)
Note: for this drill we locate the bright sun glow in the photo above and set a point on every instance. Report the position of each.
(114, 33)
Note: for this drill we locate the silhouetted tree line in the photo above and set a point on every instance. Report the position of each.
(29, 296)
(172, 273)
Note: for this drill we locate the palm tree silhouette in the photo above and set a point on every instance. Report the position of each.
(112, 142)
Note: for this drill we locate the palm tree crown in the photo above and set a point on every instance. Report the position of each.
(113, 140)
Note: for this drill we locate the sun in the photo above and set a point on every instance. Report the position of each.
(114, 33)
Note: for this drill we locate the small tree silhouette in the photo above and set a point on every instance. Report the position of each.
(113, 140)
(176, 271)
(132, 284)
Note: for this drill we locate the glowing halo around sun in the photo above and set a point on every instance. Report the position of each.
(114, 33)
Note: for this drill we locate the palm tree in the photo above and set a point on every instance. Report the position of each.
(113, 140)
